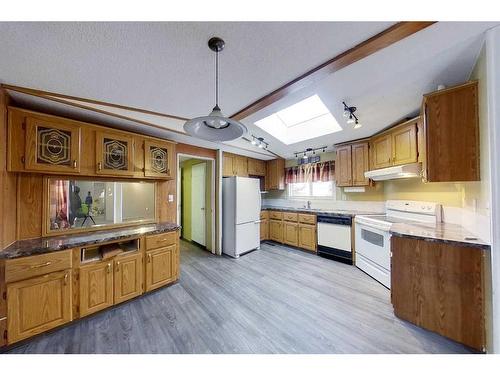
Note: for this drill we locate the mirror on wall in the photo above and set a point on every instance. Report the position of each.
(84, 204)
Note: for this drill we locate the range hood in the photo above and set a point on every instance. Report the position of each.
(392, 173)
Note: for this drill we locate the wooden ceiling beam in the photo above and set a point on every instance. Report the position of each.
(380, 41)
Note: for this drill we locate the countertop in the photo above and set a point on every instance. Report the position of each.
(50, 244)
(443, 232)
(324, 212)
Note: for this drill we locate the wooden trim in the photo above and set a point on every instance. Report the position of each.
(48, 94)
(380, 41)
(451, 89)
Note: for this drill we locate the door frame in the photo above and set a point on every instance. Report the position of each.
(212, 194)
(203, 167)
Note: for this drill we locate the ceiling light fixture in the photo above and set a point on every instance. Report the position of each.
(351, 117)
(259, 142)
(307, 151)
(215, 126)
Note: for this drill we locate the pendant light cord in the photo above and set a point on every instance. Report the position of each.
(217, 79)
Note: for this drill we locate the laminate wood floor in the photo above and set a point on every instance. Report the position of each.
(274, 300)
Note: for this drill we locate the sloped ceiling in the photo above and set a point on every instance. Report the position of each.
(167, 68)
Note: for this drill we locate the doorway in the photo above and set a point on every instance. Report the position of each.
(196, 204)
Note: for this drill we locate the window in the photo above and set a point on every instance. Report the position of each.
(312, 189)
(307, 119)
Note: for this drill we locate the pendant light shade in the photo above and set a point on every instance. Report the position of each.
(215, 126)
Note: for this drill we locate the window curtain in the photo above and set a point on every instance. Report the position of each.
(313, 172)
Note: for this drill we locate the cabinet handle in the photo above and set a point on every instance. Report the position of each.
(117, 266)
(75, 164)
(99, 166)
(149, 258)
(66, 279)
(108, 267)
(41, 265)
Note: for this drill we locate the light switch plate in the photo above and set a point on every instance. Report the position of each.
(170, 197)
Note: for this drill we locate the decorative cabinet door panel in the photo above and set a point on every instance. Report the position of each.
(38, 304)
(161, 267)
(404, 143)
(381, 148)
(128, 277)
(52, 147)
(275, 230)
(114, 154)
(158, 159)
(343, 166)
(264, 230)
(307, 236)
(96, 287)
(291, 233)
(360, 164)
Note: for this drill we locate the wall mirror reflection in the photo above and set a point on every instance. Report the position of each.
(80, 205)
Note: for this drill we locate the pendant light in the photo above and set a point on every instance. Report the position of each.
(215, 126)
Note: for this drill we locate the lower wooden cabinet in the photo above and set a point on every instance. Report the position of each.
(38, 304)
(275, 230)
(96, 287)
(128, 277)
(161, 266)
(440, 287)
(307, 237)
(264, 230)
(291, 233)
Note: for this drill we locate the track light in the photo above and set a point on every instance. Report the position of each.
(259, 142)
(351, 117)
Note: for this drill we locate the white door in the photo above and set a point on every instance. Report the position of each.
(198, 216)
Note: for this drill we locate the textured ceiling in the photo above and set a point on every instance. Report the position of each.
(167, 67)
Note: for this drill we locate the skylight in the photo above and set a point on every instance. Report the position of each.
(307, 119)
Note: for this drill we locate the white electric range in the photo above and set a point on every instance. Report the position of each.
(373, 237)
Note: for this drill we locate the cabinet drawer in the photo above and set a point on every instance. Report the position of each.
(275, 215)
(290, 216)
(161, 240)
(307, 219)
(264, 215)
(28, 267)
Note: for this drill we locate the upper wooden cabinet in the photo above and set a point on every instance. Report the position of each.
(275, 174)
(256, 167)
(51, 146)
(395, 146)
(158, 159)
(450, 120)
(114, 154)
(351, 163)
(234, 165)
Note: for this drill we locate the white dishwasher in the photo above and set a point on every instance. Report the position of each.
(334, 237)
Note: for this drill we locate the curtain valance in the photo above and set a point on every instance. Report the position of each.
(313, 172)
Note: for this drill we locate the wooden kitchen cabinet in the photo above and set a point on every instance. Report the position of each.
(276, 230)
(96, 287)
(114, 154)
(241, 166)
(128, 277)
(440, 287)
(404, 144)
(450, 120)
(264, 229)
(38, 304)
(234, 165)
(158, 159)
(343, 166)
(291, 233)
(275, 174)
(51, 146)
(381, 149)
(256, 167)
(161, 267)
(307, 237)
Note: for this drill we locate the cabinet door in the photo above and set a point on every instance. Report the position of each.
(307, 237)
(114, 154)
(360, 164)
(52, 147)
(256, 167)
(275, 174)
(404, 144)
(96, 287)
(227, 165)
(158, 159)
(264, 230)
(381, 151)
(38, 304)
(291, 233)
(160, 267)
(343, 166)
(275, 230)
(241, 166)
(128, 277)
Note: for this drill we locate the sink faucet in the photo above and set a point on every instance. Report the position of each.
(309, 204)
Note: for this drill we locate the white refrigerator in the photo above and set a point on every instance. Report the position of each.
(241, 205)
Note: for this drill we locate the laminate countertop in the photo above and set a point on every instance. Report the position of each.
(323, 212)
(442, 232)
(50, 244)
